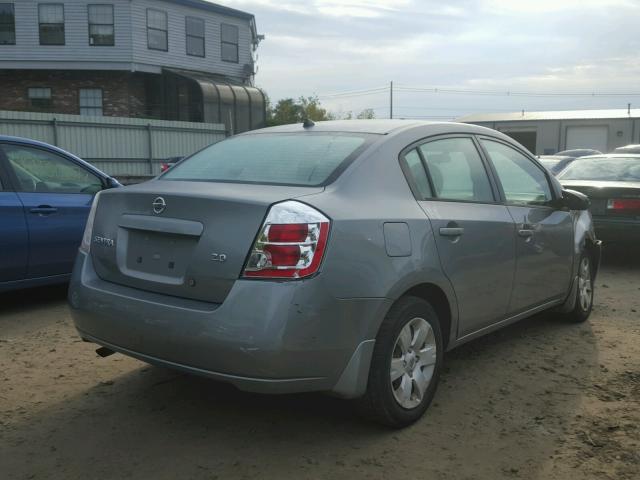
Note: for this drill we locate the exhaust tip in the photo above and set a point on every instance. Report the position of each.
(104, 352)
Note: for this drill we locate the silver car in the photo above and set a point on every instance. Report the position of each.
(343, 257)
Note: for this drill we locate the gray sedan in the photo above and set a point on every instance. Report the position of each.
(343, 257)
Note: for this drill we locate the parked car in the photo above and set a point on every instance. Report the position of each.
(45, 198)
(169, 162)
(343, 256)
(555, 163)
(612, 183)
(578, 152)
(628, 149)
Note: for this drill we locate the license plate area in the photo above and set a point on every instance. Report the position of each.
(598, 206)
(158, 256)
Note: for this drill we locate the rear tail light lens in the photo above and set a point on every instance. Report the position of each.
(85, 246)
(620, 204)
(291, 243)
(164, 167)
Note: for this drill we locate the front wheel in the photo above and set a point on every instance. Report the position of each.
(584, 293)
(405, 366)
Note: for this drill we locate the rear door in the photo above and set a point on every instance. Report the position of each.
(474, 232)
(14, 239)
(544, 240)
(56, 193)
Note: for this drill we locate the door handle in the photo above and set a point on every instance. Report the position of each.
(525, 233)
(44, 210)
(451, 231)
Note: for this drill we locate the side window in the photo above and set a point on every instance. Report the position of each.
(522, 181)
(456, 170)
(157, 30)
(42, 171)
(229, 43)
(415, 170)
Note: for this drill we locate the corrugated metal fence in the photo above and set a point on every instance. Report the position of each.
(117, 146)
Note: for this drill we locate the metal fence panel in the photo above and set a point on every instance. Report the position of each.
(117, 146)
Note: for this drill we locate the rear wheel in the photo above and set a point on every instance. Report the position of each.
(405, 366)
(584, 293)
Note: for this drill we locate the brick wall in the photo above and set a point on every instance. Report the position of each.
(123, 93)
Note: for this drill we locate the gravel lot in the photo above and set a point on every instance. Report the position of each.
(540, 399)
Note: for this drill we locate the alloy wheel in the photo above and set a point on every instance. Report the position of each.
(585, 288)
(413, 362)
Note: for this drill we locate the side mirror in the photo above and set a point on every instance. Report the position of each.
(575, 200)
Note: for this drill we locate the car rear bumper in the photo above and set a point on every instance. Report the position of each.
(617, 230)
(269, 337)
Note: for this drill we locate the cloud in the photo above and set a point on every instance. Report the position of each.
(322, 46)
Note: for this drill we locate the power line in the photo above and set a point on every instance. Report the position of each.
(355, 93)
(460, 91)
(509, 93)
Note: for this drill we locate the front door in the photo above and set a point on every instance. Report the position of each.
(474, 233)
(14, 239)
(56, 194)
(544, 234)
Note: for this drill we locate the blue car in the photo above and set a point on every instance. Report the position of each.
(45, 198)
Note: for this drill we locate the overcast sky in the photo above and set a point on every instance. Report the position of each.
(327, 46)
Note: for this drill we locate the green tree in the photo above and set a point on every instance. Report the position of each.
(289, 110)
(366, 114)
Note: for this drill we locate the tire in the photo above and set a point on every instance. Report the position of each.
(410, 336)
(584, 292)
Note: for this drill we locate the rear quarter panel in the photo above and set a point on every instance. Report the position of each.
(370, 193)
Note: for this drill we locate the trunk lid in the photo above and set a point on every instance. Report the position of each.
(600, 192)
(193, 245)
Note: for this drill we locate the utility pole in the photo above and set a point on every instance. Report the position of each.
(391, 99)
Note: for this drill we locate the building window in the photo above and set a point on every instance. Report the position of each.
(195, 36)
(51, 19)
(91, 101)
(157, 30)
(40, 97)
(7, 24)
(229, 35)
(101, 31)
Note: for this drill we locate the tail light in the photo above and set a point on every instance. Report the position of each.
(164, 167)
(291, 243)
(85, 246)
(623, 204)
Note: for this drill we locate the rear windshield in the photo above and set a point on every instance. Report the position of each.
(305, 159)
(603, 168)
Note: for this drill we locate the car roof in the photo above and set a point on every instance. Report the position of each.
(379, 127)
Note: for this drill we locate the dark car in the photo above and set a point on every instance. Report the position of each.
(45, 198)
(633, 149)
(555, 163)
(612, 183)
(578, 152)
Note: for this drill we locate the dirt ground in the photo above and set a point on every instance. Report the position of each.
(540, 399)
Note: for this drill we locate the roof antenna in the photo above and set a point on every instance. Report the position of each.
(308, 123)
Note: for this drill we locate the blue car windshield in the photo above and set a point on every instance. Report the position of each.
(304, 159)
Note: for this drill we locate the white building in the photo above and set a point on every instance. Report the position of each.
(545, 133)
